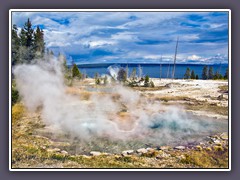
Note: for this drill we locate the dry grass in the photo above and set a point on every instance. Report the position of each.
(156, 88)
(223, 88)
(172, 98)
(208, 107)
(207, 159)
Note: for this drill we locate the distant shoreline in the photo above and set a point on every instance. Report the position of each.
(145, 64)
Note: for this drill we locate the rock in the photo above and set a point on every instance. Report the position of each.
(162, 155)
(150, 149)
(208, 149)
(181, 157)
(179, 147)
(165, 148)
(220, 97)
(217, 141)
(43, 147)
(142, 151)
(127, 152)
(117, 157)
(224, 136)
(95, 153)
(186, 99)
(169, 85)
(64, 152)
(54, 150)
(218, 148)
(199, 148)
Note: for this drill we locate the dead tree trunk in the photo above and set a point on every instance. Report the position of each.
(175, 57)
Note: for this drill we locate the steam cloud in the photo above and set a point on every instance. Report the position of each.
(42, 85)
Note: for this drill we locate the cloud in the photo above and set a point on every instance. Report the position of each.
(133, 36)
(194, 57)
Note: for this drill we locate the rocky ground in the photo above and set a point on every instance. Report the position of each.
(31, 149)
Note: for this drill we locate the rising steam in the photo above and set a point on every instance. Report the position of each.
(122, 113)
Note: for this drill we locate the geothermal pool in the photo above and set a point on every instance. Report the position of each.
(160, 133)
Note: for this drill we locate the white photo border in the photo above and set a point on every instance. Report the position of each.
(120, 10)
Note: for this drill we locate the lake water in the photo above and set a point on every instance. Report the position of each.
(153, 70)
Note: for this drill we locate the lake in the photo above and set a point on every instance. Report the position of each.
(153, 70)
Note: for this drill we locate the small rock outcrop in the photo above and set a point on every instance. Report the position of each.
(127, 152)
(95, 153)
(142, 151)
(54, 150)
(64, 152)
(179, 147)
(164, 148)
(224, 136)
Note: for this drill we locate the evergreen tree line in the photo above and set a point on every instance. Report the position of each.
(207, 73)
(28, 44)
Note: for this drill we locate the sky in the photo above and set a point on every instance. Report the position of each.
(133, 37)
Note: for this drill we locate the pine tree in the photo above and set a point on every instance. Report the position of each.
(197, 77)
(210, 73)
(146, 81)
(187, 73)
(193, 75)
(29, 33)
(39, 45)
(205, 73)
(226, 74)
(26, 42)
(76, 72)
(15, 45)
(216, 75)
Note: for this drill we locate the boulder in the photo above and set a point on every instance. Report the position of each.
(162, 155)
(224, 136)
(199, 148)
(150, 149)
(220, 97)
(179, 147)
(64, 152)
(142, 151)
(54, 150)
(95, 153)
(208, 149)
(127, 152)
(164, 148)
(217, 141)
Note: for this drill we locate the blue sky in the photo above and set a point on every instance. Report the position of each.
(113, 37)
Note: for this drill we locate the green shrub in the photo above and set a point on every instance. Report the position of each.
(15, 96)
(146, 81)
(76, 72)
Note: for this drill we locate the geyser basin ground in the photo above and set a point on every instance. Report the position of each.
(43, 138)
(161, 127)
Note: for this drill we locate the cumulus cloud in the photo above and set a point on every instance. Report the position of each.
(194, 57)
(129, 35)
